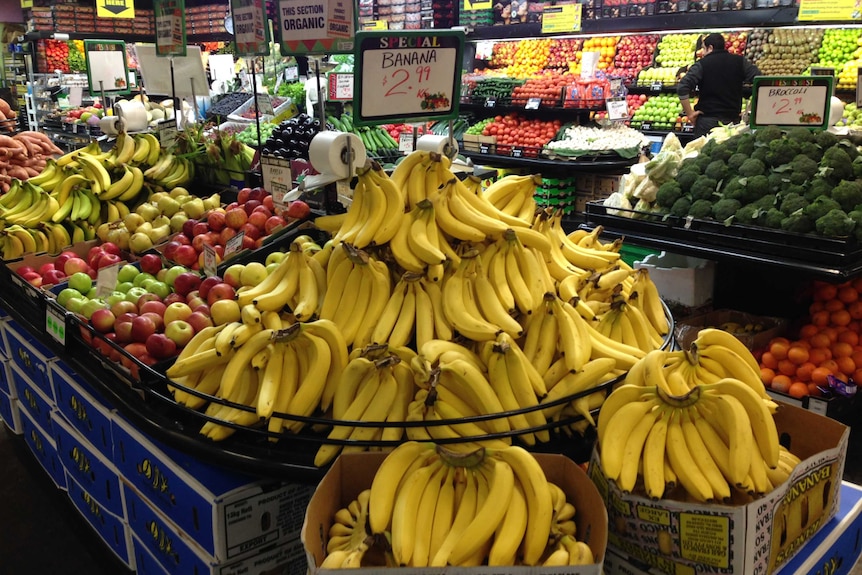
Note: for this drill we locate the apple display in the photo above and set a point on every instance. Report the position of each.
(66, 294)
(106, 260)
(75, 265)
(186, 255)
(224, 311)
(102, 320)
(180, 332)
(151, 263)
(199, 320)
(124, 307)
(253, 273)
(176, 311)
(207, 284)
(220, 291)
(160, 346)
(53, 277)
(143, 327)
(153, 306)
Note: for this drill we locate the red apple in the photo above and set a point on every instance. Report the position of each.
(243, 195)
(182, 239)
(151, 263)
(174, 297)
(75, 265)
(256, 194)
(207, 284)
(219, 250)
(25, 269)
(107, 260)
(170, 249)
(52, 277)
(251, 230)
(49, 267)
(60, 260)
(249, 243)
(111, 248)
(201, 308)
(298, 209)
(153, 306)
(123, 306)
(33, 278)
(269, 202)
(136, 350)
(250, 205)
(231, 206)
(123, 331)
(102, 320)
(273, 223)
(199, 228)
(188, 228)
(220, 291)
(161, 346)
(95, 250)
(200, 240)
(143, 327)
(199, 320)
(263, 209)
(226, 234)
(157, 320)
(186, 255)
(146, 297)
(216, 221)
(235, 218)
(186, 283)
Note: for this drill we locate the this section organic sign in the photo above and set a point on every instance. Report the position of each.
(316, 26)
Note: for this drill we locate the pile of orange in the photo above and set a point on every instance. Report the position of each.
(829, 344)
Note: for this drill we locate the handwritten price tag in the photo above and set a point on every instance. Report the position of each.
(234, 244)
(405, 142)
(409, 74)
(167, 131)
(264, 105)
(340, 87)
(618, 108)
(792, 101)
(210, 260)
(277, 178)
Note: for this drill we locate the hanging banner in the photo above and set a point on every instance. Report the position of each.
(250, 28)
(316, 26)
(170, 27)
(107, 68)
(829, 10)
(115, 8)
(407, 75)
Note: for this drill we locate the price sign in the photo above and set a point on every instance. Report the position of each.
(250, 29)
(55, 324)
(517, 152)
(167, 132)
(76, 95)
(491, 102)
(340, 87)
(291, 74)
(687, 128)
(106, 280)
(656, 86)
(405, 142)
(646, 126)
(376, 25)
(233, 245)
(788, 101)
(484, 148)
(315, 26)
(408, 75)
(277, 178)
(170, 27)
(615, 85)
(533, 104)
(210, 260)
(107, 67)
(618, 108)
(264, 104)
(561, 17)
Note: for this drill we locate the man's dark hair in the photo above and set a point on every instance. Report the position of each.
(714, 40)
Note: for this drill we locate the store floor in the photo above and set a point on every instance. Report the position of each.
(41, 532)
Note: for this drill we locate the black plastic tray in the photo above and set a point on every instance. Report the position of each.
(807, 248)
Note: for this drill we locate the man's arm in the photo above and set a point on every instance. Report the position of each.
(750, 70)
(686, 86)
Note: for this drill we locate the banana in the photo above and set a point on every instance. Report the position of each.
(95, 171)
(498, 377)
(400, 246)
(376, 207)
(287, 389)
(683, 463)
(407, 501)
(401, 174)
(420, 240)
(617, 433)
(307, 397)
(703, 459)
(381, 290)
(125, 149)
(655, 454)
(511, 530)
(394, 212)
(467, 507)
(448, 222)
(619, 398)
(469, 383)
(729, 419)
(270, 382)
(142, 150)
(461, 311)
(134, 189)
(734, 364)
(424, 518)
(155, 149)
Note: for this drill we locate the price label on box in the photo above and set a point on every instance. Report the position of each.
(167, 132)
(210, 260)
(533, 104)
(490, 102)
(517, 152)
(277, 178)
(656, 87)
(264, 105)
(106, 280)
(340, 87)
(405, 142)
(55, 324)
(234, 244)
(618, 108)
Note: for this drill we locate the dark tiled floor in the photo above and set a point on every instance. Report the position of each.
(41, 532)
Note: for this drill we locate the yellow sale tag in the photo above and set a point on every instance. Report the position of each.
(115, 8)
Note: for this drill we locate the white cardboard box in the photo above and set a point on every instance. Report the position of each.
(683, 279)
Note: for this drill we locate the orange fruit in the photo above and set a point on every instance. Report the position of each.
(768, 360)
(820, 375)
(857, 284)
(779, 348)
(820, 340)
(808, 330)
(832, 332)
(787, 367)
(857, 355)
(766, 375)
(798, 389)
(841, 349)
(781, 383)
(840, 317)
(814, 390)
(841, 376)
(846, 365)
(820, 318)
(855, 309)
(834, 305)
(804, 343)
(797, 354)
(819, 354)
(831, 365)
(815, 307)
(849, 336)
(803, 372)
(847, 294)
(825, 291)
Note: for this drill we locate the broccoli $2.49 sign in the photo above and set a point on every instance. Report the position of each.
(410, 75)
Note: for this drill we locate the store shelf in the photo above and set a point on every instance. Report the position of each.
(769, 17)
(598, 164)
(129, 38)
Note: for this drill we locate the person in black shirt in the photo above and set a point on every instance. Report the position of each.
(718, 77)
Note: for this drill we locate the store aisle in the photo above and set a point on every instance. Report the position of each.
(41, 532)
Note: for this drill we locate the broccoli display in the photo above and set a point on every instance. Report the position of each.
(686, 179)
(835, 224)
(781, 152)
(856, 216)
(736, 160)
(825, 139)
(836, 164)
(820, 207)
(703, 188)
(792, 202)
(680, 207)
(773, 218)
(848, 193)
(725, 208)
(752, 167)
(800, 134)
(690, 164)
(777, 181)
(700, 209)
(819, 187)
(717, 170)
(857, 167)
(767, 201)
(668, 193)
(802, 169)
(811, 150)
(746, 144)
(702, 161)
(850, 148)
(798, 222)
(767, 134)
(755, 188)
(760, 154)
(748, 214)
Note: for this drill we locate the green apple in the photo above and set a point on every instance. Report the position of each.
(127, 273)
(161, 289)
(65, 295)
(75, 304)
(141, 278)
(134, 294)
(172, 274)
(123, 287)
(90, 306)
(80, 281)
(114, 297)
(275, 257)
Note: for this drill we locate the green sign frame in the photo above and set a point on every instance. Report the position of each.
(405, 76)
(298, 20)
(104, 60)
(792, 101)
(172, 12)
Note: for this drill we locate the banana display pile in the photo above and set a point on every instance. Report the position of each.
(698, 419)
(445, 301)
(428, 507)
(82, 189)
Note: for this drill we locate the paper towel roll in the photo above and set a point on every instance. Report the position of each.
(133, 113)
(330, 152)
(440, 144)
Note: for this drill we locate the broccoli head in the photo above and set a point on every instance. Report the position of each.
(668, 193)
(835, 224)
(755, 188)
(690, 164)
(735, 161)
(703, 188)
(751, 167)
(725, 208)
(767, 134)
(773, 218)
(700, 209)
(760, 154)
(748, 214)
(820, 207)
(857, 167)
(811, 150)
(722, 152)
(856, 216)
(819, 187)
(717, 170)
(825, 139)
(680, 207)
(708, 148)
(781, 152)
(767, 201)
(802, 169)
(836, 164)
(792, 202)
(702, 161)
(850, 148)
(848, 193)
(800, 134)
(798, 222)
(777, 181)
(686, 178)
(746, 144)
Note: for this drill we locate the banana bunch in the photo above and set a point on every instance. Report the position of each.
(420, 246)
(265, 364)
(581, 249)
(15, 240)
(514, 195)
(358, 288)
(114, 211)
(298, 282)
(83, 231)
(48, 179)
(76, 201)
(626, 323)
(27, 205)
(715, 440)
(375, 214)
(515, 273)
(438, 507)
(470, 303)
(170, 171)
(415, 309)
(374, 387)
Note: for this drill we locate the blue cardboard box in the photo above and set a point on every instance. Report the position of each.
(113, 530)
(82, 408)
(44, 449)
